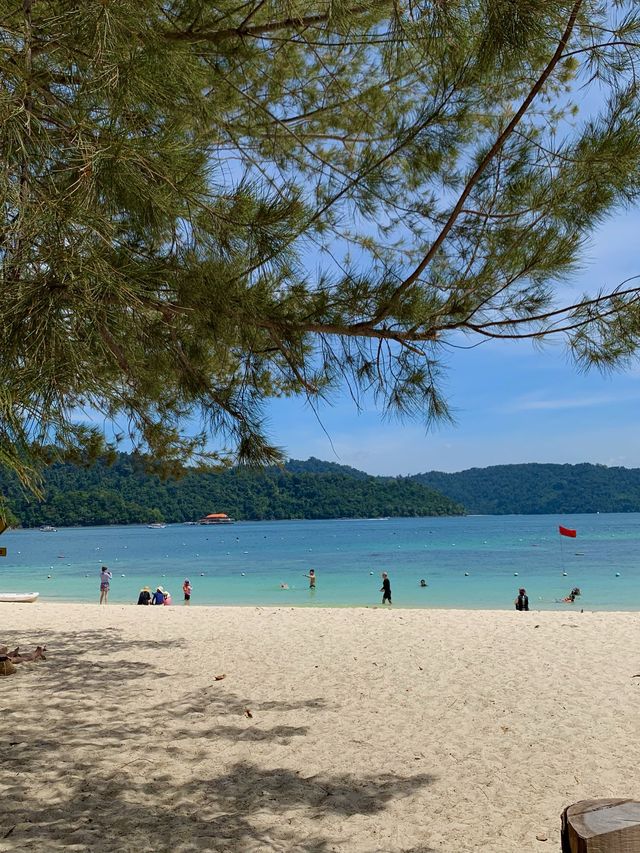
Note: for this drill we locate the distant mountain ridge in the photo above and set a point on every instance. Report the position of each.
(125, 493)
(538, 488)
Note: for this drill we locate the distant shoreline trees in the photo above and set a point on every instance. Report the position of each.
(125, 493)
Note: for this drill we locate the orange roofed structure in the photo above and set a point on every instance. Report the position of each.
(216, 518)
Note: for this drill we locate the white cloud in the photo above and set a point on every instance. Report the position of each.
(530, 404)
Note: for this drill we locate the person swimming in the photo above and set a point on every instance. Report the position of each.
(423, 582)
(575, 592)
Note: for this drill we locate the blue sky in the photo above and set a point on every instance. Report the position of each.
(512, 403)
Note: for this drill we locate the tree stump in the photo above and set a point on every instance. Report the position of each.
(601, 826)
(6, 667)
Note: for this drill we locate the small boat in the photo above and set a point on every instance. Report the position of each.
(216, 518)
(47, 528)
(19, 597)
(157, 525)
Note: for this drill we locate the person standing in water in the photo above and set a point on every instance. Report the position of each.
(312, 578)
(105, 580)
(186, 589)
(522, 600)
(386, 588)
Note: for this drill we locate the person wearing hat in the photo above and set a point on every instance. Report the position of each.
(158, 596)
(145, 595)
(167, 598)
(186, 588)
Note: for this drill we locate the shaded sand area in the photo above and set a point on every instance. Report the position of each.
(370, 730)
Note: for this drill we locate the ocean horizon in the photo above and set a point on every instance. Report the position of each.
(469, 562)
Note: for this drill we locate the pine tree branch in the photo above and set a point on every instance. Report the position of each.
(389, 306)
(259, 30)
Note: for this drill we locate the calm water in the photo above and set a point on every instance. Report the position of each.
(245, 563)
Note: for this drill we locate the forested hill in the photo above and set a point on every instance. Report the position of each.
(124, 493)
(538, 488)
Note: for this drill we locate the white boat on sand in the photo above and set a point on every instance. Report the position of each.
(19, 597)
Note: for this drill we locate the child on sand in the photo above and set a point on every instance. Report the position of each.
(105, 579)
(386, 588)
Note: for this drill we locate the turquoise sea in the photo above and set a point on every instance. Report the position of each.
(246, 562)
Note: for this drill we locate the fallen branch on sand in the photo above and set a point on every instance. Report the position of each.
(9, 659)
(38, 654)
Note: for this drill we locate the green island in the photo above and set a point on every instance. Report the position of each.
(123, 491)
(538, 489)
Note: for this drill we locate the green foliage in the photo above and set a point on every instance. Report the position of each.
(207, 205)
(124, 492)
(538, 489)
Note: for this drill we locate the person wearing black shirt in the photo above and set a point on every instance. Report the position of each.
(522, 601)
(386, 588)
(145, 596)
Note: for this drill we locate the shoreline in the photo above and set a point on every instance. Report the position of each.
(559, 607)
(333, 729)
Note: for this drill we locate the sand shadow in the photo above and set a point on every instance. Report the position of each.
(71, 712)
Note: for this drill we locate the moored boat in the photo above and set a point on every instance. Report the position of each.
(216, 518)
(157, 525)
(19, 597)
(47, 528)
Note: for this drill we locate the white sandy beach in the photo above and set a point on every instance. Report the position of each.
(370, 730)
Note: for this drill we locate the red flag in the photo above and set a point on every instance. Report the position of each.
(566, 531)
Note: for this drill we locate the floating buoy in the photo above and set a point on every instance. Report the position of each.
(515, 574)
(564, 574)
(617, 574)
(243, 574)
(466, 574)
